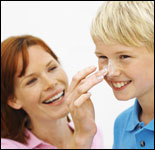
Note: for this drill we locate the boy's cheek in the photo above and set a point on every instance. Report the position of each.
(108, 82)
(101, 66)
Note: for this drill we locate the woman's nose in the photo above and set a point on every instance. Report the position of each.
(48, 82)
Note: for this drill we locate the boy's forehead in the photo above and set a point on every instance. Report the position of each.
(113, 47)
(102, 48)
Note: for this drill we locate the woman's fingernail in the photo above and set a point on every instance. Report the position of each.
(104, 71)
(100, 78)
(89, 94)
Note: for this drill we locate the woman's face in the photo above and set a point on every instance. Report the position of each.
(41, 91)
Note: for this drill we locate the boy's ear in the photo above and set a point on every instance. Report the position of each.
(14, 103)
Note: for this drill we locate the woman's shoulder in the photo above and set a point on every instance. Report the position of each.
(98, 138)
(11, 144)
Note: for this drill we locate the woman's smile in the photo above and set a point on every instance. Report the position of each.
(56, 99)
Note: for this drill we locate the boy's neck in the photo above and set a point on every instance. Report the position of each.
(147, 104)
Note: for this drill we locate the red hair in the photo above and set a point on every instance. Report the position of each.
(14, 121)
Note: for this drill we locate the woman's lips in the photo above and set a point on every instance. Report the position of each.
(57, 102)
(55, 99)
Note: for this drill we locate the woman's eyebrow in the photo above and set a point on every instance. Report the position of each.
(27, 76)
(34, 73)
(49, 63)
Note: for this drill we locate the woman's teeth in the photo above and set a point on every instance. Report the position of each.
(55, 98)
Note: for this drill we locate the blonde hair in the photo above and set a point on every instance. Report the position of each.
(126, 22)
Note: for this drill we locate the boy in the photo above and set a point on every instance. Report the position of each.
(123, 32)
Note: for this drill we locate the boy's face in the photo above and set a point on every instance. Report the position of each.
(130, 69)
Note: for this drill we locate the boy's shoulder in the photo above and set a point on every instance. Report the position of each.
(123, 117)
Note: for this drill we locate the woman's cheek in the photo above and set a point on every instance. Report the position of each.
(33, 93)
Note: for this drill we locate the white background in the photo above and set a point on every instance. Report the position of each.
(65, 27)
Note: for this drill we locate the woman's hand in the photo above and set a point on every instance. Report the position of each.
(81, 107)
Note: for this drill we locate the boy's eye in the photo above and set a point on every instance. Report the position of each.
(52, 68)
(31, 81)
(102, 57)
(124, 56)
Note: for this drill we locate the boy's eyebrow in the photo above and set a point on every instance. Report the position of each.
(97, 53)
(119, 52)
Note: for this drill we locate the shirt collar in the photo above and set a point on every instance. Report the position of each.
(34, 142)
(150, 126)
(133, 120)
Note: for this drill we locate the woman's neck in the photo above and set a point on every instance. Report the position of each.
(56, 132)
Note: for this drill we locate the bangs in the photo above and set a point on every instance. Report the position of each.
(22, 49)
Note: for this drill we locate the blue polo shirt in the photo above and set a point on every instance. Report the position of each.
(129, 133)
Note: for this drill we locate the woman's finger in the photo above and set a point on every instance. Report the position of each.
(82, 99)
(90, 82)
(85, 85)
(79, 76)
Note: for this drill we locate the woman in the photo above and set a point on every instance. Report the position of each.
(36, 99)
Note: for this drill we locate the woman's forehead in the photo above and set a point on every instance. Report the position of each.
(36, 55)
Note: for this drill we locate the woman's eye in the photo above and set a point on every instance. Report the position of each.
(52, 68)
(31, 81)
(124, 56)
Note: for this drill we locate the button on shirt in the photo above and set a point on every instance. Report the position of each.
(35, 143)
(130, 133)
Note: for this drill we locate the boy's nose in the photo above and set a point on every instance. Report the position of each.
(113, 69)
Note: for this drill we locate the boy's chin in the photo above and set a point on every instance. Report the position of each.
(122, 98)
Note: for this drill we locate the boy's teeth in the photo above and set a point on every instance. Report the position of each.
(56, 97)
(120, 84)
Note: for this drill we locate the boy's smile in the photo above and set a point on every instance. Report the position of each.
(130, 69)
(120, 85)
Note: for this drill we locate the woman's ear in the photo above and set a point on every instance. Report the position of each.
(15, 103)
